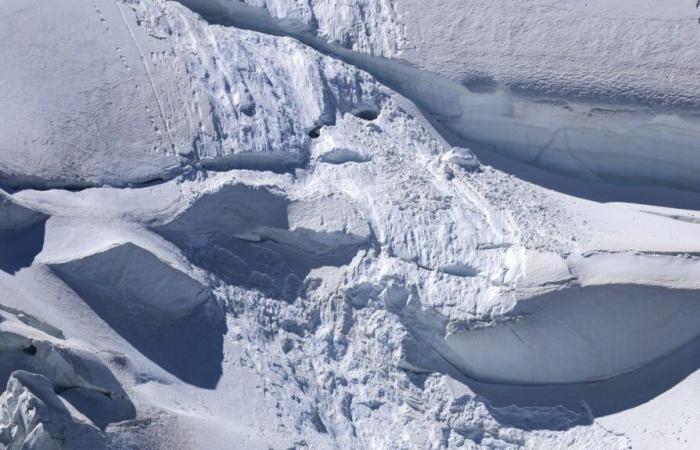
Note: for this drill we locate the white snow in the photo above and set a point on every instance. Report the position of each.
(562, 130)
(294, 227)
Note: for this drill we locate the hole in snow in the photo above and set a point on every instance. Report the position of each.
(248, 109)
(30, 350)
(459, 270)
(342, 156)
(368, 113)
(315, 132)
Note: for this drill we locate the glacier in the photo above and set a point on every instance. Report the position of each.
(361, 224)
(587, 138)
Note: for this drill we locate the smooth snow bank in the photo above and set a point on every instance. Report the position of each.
(673, 415)
(81, 107)
(580, 334)
(589, 139)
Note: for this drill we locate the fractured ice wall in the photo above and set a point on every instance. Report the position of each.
(600, 137)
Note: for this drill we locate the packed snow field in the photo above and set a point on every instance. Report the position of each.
(361, 224)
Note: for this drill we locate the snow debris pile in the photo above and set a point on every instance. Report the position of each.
(242, 226)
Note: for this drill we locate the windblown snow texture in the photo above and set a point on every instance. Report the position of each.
(361, 224)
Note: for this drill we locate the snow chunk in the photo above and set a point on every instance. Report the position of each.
(462, 157)
(33, 416)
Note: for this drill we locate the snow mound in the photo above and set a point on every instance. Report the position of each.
(461, 157)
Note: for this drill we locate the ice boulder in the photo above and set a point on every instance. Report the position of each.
(34, 417)
(462, 157)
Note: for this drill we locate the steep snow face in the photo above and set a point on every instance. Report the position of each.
(14, 216)
(145, 280)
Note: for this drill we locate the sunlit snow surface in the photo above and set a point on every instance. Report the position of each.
(362, 224)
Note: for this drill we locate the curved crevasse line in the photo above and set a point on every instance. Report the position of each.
(604, 397)
(276, 162)
(631, 146)
(580, 335)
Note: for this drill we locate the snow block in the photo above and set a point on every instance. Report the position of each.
(128, 276)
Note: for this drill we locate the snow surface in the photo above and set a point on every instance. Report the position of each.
(261, 232)
(570, 129)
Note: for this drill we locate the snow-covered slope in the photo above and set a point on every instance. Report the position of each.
(149, 101)
(259, 233)
(568, 118)
(601, 49)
